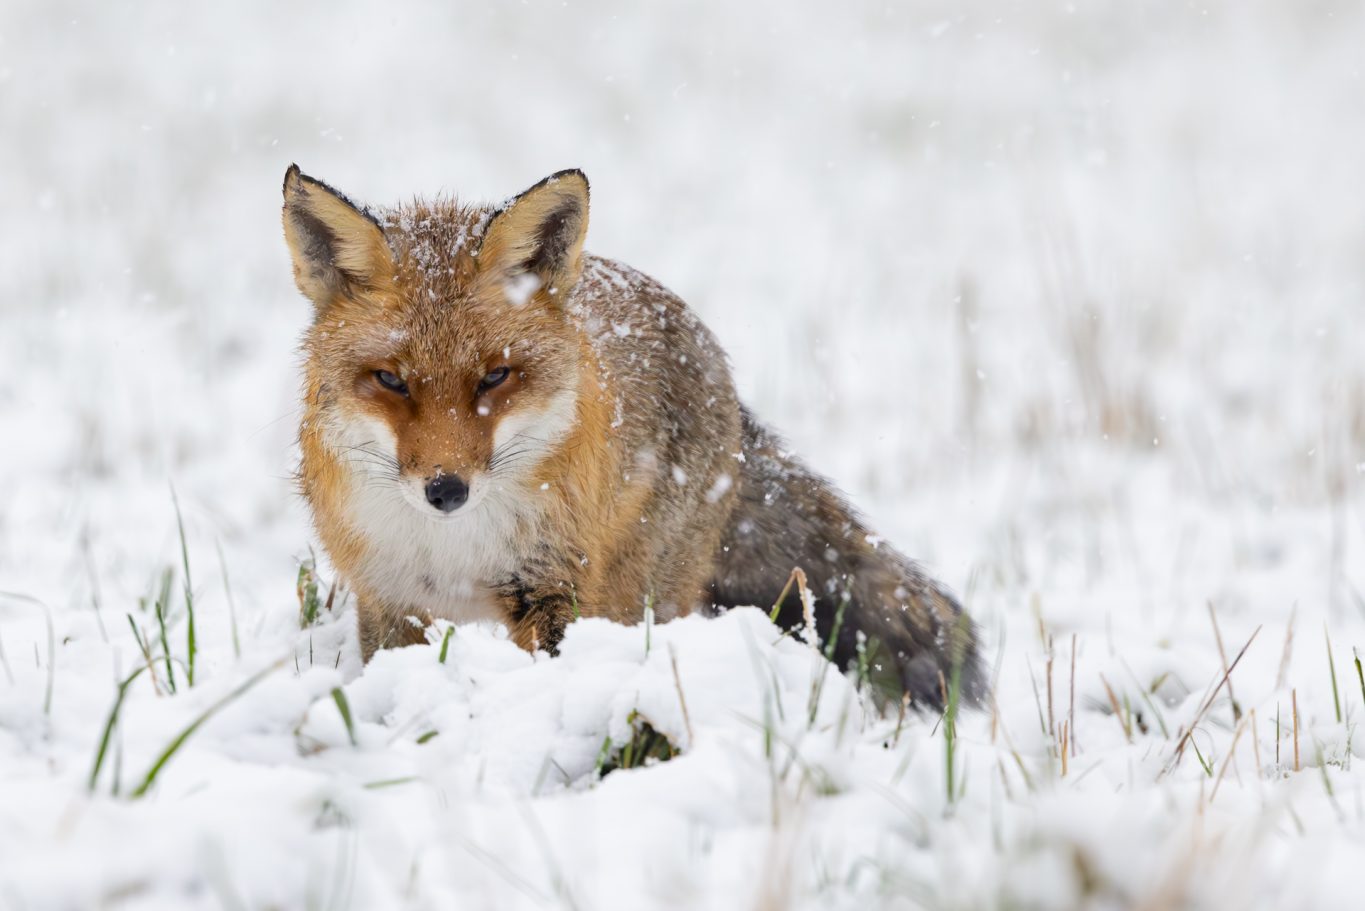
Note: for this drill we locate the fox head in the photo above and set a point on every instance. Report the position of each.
(440, 360)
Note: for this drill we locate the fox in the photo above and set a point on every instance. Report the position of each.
(499, 426)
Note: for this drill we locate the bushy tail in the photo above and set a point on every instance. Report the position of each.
(913, 631)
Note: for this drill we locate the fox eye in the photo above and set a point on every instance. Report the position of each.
(391, 382)
(493, 378)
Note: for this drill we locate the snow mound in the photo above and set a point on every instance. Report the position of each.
(440, 768)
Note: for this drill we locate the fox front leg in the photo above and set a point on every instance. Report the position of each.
(385, 627)
(537, 613)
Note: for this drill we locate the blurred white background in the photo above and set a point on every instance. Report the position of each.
(1067, 295)
(931, 235)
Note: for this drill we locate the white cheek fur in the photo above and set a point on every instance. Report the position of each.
(532, 435)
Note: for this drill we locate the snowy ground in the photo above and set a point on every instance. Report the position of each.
(1067, 296)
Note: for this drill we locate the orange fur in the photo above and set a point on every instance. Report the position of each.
(507, 273)
(588, 417)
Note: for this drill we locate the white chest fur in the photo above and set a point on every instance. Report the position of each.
(418, 560)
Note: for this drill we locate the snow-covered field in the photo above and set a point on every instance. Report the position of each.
(1068, 296)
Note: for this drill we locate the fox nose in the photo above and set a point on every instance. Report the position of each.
(447, 492)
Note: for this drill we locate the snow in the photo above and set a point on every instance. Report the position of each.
(1065, 296)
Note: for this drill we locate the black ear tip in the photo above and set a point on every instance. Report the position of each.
(293, 177)
(569, 174)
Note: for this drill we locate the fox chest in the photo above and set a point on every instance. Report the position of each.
(446, 568)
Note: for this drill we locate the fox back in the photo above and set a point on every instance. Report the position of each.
(500, 426)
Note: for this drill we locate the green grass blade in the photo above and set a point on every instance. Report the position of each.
(950, 728)
(310, 604)
(389, 782)
(109, 725)
(777, 605)
(190, 644)
(137, 634)
(602, 755)
(344, 707)
(145, 648)
(162, 605)
(834, 631)
(1360, 675)
(1203, 763)
(208, 713)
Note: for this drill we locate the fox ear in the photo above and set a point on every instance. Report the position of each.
(337, 247)
(538, 234)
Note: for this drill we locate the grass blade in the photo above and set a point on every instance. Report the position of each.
(682, 701)
(51, 647)
(204, 716)
(649, 620)
(1332, 669)
(950, 727)
(344, 707)
(146, 651)
(232, 605)
(1203, 763)
(389, 782)
(310, 605)
(777, 605)
(1208, 702)
(1360, 674)
(834, 631)
(109, 727)
(190, 644)
(1118, 710)
(162, 603)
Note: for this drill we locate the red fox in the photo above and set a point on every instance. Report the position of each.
(498, 425)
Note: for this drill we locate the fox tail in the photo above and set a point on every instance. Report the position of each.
(884, 614)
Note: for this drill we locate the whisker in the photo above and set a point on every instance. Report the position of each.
(499, 457)
(377, 472)
(365, 448)
(508, 459)
(363, 460)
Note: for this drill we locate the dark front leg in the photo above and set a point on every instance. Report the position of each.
(382, 627)
(537, 613)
